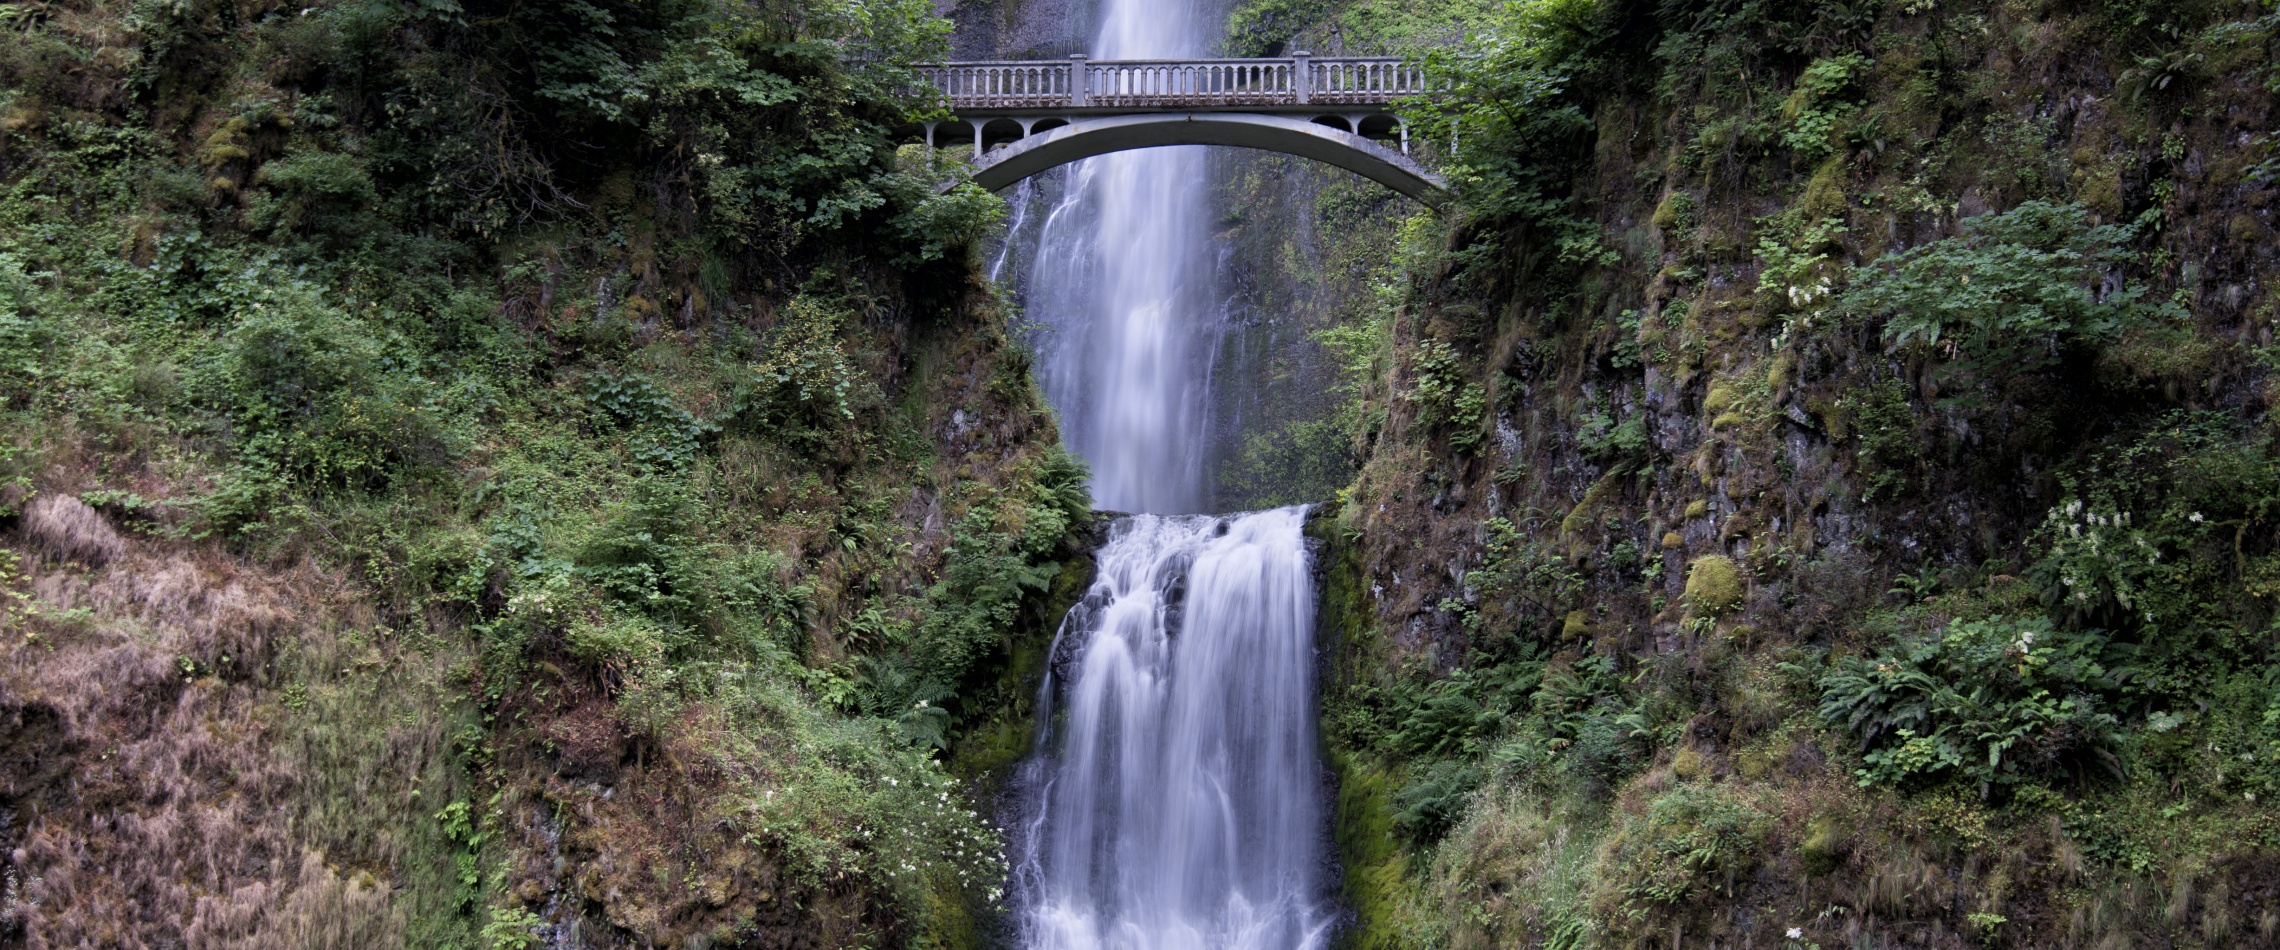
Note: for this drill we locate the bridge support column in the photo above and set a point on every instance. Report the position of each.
(1077, 80)
(1302, 75)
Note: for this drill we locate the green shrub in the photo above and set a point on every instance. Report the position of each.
(804, 387)
(1582, 729)
(25, 339)
(1434, 798)
(1524, 579)
(1692, 838)
(1989, 702)
(2156, 534)
(664, 435)
(2016, 292)
(313, 396)
(1450, 716)
(1516, 120)
(1446, 397)
(329, 194)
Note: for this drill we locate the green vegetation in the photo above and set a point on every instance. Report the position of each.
(1868, 538)
(522, 438)
(2014, 293)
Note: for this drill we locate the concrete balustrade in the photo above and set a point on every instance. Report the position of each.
(1030, 115)
(1287, 84)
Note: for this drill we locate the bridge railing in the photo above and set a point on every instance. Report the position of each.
(1079, 83)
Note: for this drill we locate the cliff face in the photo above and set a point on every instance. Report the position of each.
(1819, 495)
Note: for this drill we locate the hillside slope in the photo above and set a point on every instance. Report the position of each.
(494, 475)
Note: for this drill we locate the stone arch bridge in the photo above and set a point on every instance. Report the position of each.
(1024, 117)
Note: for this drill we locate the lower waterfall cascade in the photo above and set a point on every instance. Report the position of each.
(1176, 802)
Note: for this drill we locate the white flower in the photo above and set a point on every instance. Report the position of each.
(2195, 518)
(1796, 933)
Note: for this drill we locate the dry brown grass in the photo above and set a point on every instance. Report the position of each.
(149, 807)
(64, 527)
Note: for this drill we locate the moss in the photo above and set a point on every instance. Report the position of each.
(1578, 625)
(1687, 764)
(1779, 371)
(1719, 399)
(1825, 193)
(1580, 516)
(1377, 879)
(1753, 764)
(1824, 844)
(1676, 212)
(1713, 585)
(1696, 509)
(2243, 228)
(2101, 190)
(1671, 540)
(1834, 417)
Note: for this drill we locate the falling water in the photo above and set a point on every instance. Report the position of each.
(1174, 799)
(1178, 805)
(1123, 277)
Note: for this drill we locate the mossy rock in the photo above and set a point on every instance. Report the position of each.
(1671, 540)
(1824, 844)
(1676, 212)
(1696, 509)
(1578, 625)
(1687, 764)
(1713, 585)
(1719, 399)
(1753, 764)
(1825, 193)
(1782, 368)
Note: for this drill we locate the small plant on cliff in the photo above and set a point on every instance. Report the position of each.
(1989, 702)
(1820, 103)
(1445, 396)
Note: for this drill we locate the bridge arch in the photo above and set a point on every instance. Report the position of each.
(1088, 136)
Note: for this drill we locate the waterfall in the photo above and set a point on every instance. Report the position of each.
(1124, 280)
(1174, 799)
(1178, 802)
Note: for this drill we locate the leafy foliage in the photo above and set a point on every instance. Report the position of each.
(1691, 839)
(1991, 702)
(2017, 291)
(1819, 103)
(1445, 396)
(1519, 124)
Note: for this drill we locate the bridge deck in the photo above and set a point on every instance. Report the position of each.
(1079, 86)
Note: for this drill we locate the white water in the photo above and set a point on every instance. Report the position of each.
(1175, 797)
(1123, 277)
(1177, 804)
